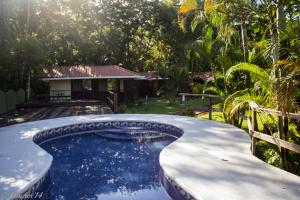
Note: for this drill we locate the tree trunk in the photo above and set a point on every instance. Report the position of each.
(192, 68)
(29, 69)
(244, 38)
(275, 37)
(28, 85)
(275, 34)
(245, 49)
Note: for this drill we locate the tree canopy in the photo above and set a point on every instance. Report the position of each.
(137, 34)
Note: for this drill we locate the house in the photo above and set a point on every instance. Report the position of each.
(150, 84)
(88, 82)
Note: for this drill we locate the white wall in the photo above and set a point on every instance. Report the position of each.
(63, 88)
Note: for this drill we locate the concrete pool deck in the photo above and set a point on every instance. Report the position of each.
(211, 161)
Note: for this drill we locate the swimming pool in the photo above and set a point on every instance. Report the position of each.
(192, 165)
(110, 164)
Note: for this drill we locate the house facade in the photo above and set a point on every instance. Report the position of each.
(88, 82)
(150, 84)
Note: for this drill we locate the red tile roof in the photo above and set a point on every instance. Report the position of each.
(151, 75)
(87, 72)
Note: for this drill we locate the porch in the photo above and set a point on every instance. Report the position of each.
(109, 84)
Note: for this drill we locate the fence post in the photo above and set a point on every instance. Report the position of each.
(255, 128)
(253, 145)
(210, 108)
(254, 122)
(250, 129)
(182, 99)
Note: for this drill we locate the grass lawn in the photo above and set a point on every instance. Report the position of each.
(161, 106)
(265, 151)
(218, 116)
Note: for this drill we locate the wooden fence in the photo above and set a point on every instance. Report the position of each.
(10, 100)
(209, 96)
(255, 134)
(252, 122)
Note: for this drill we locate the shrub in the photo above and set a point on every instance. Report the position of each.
(123, 109)
(188, 112)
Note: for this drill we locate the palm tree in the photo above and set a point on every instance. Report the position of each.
(266, 92)
(272, 89)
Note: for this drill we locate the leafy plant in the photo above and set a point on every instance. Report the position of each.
(177, 81)
(269, 153)
(188, 112)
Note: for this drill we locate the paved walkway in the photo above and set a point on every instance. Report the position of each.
(211, 161)
(33, 114)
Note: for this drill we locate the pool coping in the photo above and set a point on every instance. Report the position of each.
(211, 160)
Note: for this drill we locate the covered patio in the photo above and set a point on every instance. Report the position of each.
(88, 82)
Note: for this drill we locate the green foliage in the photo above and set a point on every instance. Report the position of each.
(139, 34)
(268, 91)
(294, 134)
(256, 71)
(188, 112)
(122, 108)
(185, 8)
(198, 88)
(215, 85)
(255, 46)
(162, 105)
(177, 81)
(242, 99)
(214, 90)
(269, 153)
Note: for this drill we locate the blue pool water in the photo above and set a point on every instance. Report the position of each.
(93, 167)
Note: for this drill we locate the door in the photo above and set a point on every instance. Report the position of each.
(76, 88)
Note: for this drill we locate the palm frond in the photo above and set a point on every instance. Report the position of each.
(214, 90)
(254, 70)
(199, 19)
(289, 67)
(285, 98)
(228, 103)
(211, 6)
(242, 99)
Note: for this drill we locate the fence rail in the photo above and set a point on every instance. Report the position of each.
(110, 97)
(278, 113)
(252, 122)
(61, 95)
(277, 141)
(209, 96)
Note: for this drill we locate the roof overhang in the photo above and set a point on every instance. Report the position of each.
(102, 77)
(151, 79)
